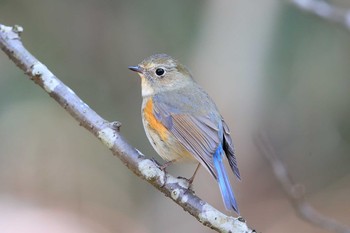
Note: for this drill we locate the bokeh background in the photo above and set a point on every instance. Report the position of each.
(270, 68)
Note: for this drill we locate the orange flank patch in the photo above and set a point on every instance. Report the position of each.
(156, 125)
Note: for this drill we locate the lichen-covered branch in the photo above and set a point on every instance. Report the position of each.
(325, 10)
(108, 133)
(295, 192)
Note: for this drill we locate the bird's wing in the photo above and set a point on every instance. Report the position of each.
(198, 134)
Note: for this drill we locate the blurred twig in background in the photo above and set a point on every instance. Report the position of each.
(176, 189)
(295, 192)
(325, 11)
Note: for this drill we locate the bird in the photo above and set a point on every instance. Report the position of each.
(182, 122)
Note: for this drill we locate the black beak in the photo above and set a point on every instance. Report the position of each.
(137, 69)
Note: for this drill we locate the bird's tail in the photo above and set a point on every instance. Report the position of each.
(224, 182)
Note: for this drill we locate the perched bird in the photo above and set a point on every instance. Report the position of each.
(183, 123)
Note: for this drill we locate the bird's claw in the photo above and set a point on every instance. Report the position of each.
(189, 183)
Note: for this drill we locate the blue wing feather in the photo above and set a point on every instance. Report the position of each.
(224, 182)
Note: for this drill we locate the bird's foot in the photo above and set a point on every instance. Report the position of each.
(116, 125)
(157, 163)
(191, 179)
(188, 182)
(164, 166)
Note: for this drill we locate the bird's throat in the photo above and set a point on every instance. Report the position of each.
(147, 89)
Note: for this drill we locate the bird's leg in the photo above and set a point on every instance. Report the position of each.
(190, 181)
(165, 165)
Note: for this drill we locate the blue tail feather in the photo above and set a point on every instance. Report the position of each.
(223, 181)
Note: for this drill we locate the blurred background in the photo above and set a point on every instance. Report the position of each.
(270, 68)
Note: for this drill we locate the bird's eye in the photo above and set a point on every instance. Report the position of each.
(160, 71)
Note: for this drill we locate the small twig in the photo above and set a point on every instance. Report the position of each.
(176, 189)
(295, 192)
(325, 11)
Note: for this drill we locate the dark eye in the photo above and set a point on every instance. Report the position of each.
(160, 71)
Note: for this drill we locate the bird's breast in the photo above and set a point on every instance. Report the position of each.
(162, 140)
(153, 123)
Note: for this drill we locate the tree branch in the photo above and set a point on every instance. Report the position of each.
(295, 192)
(325, 11)
(108, 132)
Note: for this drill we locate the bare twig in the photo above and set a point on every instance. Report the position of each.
(325, 11)
(174, 188)
(295, 192)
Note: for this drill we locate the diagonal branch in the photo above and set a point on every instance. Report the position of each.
(294, 192)
(325, 10)
(174, 188)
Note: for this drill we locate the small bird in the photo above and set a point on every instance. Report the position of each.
(183, 123)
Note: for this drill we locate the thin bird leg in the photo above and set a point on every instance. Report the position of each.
(194, 174)
(166, 164)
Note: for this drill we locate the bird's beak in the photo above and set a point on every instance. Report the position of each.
(137, 69)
